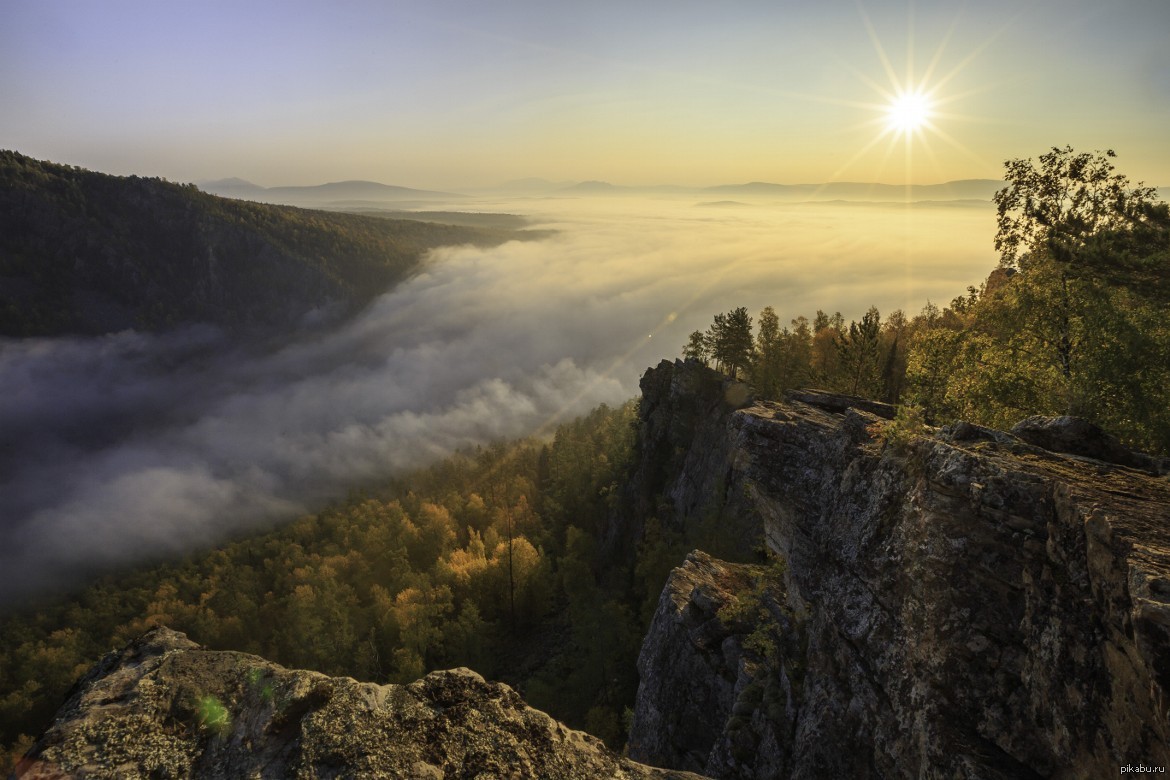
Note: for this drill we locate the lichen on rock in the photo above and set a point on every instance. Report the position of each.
(164, 707)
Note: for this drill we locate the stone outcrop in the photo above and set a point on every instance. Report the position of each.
(721, 672)
(1074, 436)
(166, 708)
(966, 605)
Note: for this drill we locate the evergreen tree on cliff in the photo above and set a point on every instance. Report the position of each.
(730, 340)
(696, 347)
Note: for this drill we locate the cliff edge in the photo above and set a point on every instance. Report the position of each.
(166, 707)
(960, 604)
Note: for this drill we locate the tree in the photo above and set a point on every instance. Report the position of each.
(730, 340)
(767, 369)
(859, 350)
(824, 356)
(1052, 221)
(1050, 217)
(420, 614)
(783, 358)
(696, 347)
(929, 369)
(820, 321)
(1072, 322)
(894, 363)
(798, 357)
(1055, 210)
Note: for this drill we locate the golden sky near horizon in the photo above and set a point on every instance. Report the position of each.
(464, 94)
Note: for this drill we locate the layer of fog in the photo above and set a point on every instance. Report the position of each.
(135, 447)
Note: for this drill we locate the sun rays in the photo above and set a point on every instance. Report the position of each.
(910, 106)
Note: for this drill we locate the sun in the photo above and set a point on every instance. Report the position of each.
(911, 106)
(908, 112)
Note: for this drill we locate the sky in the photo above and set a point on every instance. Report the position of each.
(463, 93)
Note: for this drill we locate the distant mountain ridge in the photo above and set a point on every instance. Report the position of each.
(367, 193)
(231, 183)
(530, 185)
(963, 189)
(321, 194)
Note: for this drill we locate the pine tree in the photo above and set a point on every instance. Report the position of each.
(731, 341)
(697, 347)
(859, 352)
(767, 364)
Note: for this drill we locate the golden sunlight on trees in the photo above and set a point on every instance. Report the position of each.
(419, 614)
(728, 342)
(1057, 210)
(487, 559)
(863, 358)
(1073, 322)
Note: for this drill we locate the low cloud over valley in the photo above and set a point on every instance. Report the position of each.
(132, 447)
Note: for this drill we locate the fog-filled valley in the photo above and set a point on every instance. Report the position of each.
(137, 446)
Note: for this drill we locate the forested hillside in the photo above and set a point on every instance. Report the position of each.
(85, 252)
(490, 559)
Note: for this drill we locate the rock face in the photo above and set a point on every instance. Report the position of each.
(968, 605)
(721, 670)
(166, 708)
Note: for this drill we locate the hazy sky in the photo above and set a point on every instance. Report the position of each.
(463, 93)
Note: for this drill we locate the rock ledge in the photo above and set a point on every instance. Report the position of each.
(164, 707)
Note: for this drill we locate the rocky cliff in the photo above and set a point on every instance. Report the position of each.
(165, 707)
(957, 603)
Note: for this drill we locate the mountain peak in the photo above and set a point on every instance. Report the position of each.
(232, 182)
